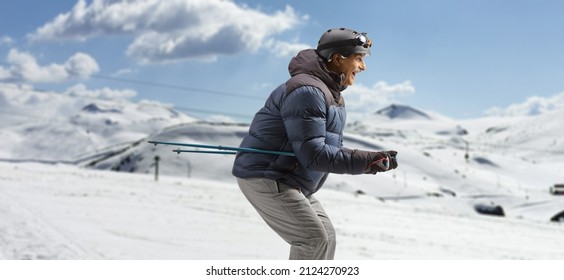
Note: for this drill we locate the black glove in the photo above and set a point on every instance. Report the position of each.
(381, 162)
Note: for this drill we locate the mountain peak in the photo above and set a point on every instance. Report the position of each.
(397, 111)
(94, 108)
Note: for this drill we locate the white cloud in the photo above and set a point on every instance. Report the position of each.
(362, 99)
(4, 74)
(534, 105)
(81, 65)
(24, 68)
(284, 49)
(174, 30)
(80, 90)
(5, 40)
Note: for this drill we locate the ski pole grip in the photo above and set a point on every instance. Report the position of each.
(384, 163)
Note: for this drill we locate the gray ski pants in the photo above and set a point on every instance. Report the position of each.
(299, 220)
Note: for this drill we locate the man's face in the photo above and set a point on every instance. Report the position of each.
(350, 66)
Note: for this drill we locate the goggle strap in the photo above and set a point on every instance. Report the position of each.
(334, 44)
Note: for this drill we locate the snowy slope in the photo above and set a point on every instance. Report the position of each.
(432, 171)
(140, 157)
(66, 212)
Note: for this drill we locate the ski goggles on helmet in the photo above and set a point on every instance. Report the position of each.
(362, 40)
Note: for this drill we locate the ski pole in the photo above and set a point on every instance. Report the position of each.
(225, 148)
(178, 151)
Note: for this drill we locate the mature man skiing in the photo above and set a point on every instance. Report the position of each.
(306, 115)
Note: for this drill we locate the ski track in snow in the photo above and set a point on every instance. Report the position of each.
(65, 212)
(26, 234)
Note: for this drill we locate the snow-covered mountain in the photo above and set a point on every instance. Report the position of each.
(455, 167)
(396, 111)
(52, 126)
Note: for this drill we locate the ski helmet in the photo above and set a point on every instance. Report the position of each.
(342, 41)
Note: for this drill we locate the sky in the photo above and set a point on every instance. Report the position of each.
(219, 60)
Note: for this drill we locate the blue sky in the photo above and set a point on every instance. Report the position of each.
(458, 58)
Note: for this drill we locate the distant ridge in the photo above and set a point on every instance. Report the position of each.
(396, 111)
(94, 108)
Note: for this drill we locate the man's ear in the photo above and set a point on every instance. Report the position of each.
(337, 59)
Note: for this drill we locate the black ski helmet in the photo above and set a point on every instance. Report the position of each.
(342, 41)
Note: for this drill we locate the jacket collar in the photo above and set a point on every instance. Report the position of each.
(308, 62)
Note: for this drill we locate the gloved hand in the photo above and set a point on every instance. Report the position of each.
(393, 159)
(381, 162)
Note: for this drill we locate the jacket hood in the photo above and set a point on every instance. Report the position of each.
(308, 62)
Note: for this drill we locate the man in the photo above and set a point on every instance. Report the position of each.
(306, 116)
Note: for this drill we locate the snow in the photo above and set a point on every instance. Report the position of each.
(67, 212)
(60, 200)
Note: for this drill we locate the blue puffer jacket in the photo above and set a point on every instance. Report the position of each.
(306, 115)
